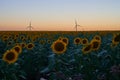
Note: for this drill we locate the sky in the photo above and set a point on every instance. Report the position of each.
(60, 15)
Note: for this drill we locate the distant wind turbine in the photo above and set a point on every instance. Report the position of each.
(30, 26)
(76, 25)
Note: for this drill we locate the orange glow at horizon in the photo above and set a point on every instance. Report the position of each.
(60, 15)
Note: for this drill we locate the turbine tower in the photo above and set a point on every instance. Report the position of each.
(30, 26)
(76, 25)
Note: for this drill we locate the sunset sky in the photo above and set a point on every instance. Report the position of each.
(60, 15)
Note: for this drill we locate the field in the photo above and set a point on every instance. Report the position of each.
(59, 55)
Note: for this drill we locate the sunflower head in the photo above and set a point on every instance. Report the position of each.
(49, 41)
(18, 49)
(95, 44)
(97, 37)
(15, 40)
(116, 39)
(58, 47)
(22, 37)
(10, 56)
(9, 43)
(23, 45)
(5, 38)
(77, 40)
(65, 40)
(60, 38)
(84, 41)
(87, 48)
(16, 35)
(30, 46)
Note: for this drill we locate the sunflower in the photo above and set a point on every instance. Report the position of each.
(116, 39)
(5, 38)
(16, 35)
(84, 41)
(17, 48)
(30, 46)
(65, 40)
(9, 43)
(58, 47)
(15, 40)
(97, 37)
(22, 37)
(95, 44)
(77, 40)
(49, 41)
(60, 38)
(10, 56)
(87, 48)
(23, 45)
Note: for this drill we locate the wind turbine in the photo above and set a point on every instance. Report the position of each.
(76, 25)
(30, 26)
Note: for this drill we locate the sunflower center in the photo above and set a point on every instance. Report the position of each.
(22, 37)
(10, 56)
(84, 41)
(87, 48)
(5, 37)
(17, 49)
(30, 46)
(48, 41)
(9, 43)
(97, 38)
(77, 40)
(117, 38)
(23, 45)
(65, 40)
(59, 46)
(95, 44)
(16, 35)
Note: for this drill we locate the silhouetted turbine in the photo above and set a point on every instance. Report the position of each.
(30, 26)
(76, 25)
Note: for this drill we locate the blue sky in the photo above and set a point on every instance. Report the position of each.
(59, 14)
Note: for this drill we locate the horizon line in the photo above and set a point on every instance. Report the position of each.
(56, 30)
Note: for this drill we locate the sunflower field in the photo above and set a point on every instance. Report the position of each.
(59, 55)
